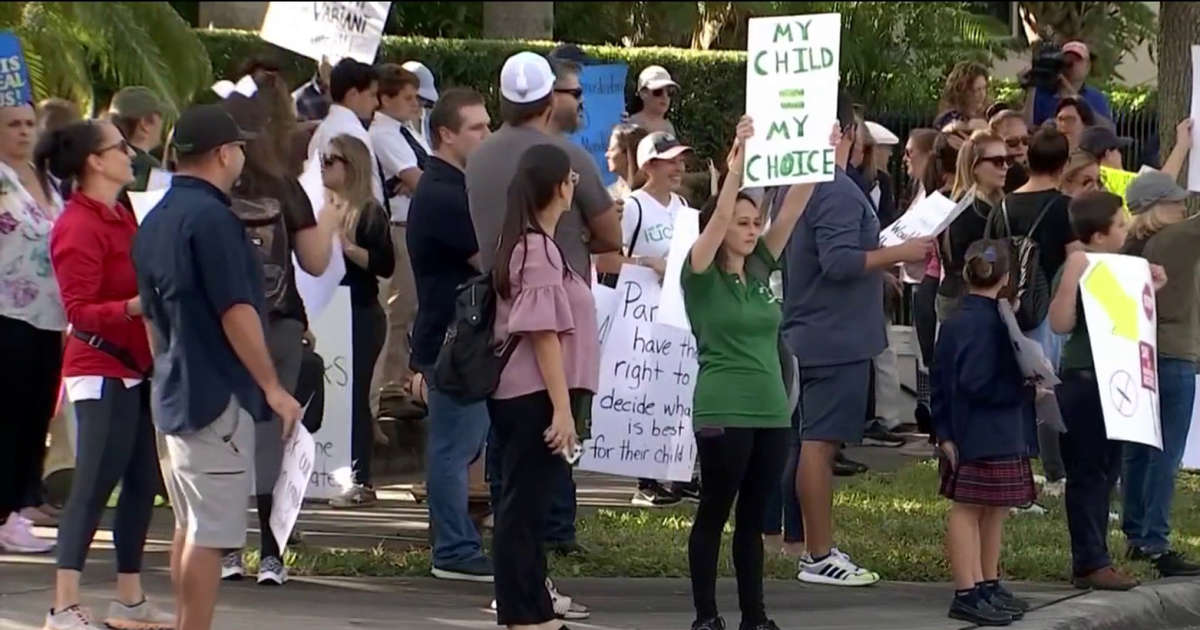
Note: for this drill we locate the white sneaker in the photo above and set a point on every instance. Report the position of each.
(272, 572)
(1054, 488)
(835, 570)
(144, 616)
(16, 536)
(1033, 509)
(357, 496)
(564, 606)
(73, 618)
(231, 566)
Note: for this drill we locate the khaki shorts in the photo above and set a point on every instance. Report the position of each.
(208, 479)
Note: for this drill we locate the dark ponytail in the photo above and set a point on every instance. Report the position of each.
(63, 152)
(987, 262)
(540, 172)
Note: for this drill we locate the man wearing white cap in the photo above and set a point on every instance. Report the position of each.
(1077, 61)
(427, 93)
(655, 88)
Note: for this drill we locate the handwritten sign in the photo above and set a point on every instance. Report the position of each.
(317, 291)
(670, 307)
(642, 413)
(603, 103)
(293, 481)
(1191, 453)
(15, 88)
(791, 93)
(1194, 158)
(930, 217)
(331, 461)
(327, 29)
(1118, 301)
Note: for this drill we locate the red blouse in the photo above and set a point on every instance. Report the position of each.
(90, 249)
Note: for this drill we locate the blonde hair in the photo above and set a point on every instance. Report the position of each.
(1078, 161)
(1148, 223)
(968, 159)
(356, 188)
(1003, 116)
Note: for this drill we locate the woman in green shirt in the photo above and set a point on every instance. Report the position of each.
(740, 413)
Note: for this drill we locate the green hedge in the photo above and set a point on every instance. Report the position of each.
(711, 98)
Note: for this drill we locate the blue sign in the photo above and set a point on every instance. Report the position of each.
(14, 72)
(603, 104)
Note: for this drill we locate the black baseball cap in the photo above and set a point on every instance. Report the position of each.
(203, 128)
(1099, 139)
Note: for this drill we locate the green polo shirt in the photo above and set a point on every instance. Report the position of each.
(736, 325)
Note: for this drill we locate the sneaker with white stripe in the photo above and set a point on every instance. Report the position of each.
(835, 570)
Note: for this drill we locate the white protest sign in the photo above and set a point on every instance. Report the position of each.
(330, 29)
(294, 475)
(1194, 158)
(1118, 301)
(144, 202)
(930, 217)
(1191, 453)
(606, 306)
(331, 463)
(642, 411)
(670, 307)
(316, 291)
(791, 93)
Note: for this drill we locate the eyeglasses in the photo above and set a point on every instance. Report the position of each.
(577, 93)
(1018, 141)
(329, 160)
(573, 177)
(122, 144)
(999, 161)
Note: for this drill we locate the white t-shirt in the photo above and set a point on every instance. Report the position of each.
(395, 155)
(657, 224)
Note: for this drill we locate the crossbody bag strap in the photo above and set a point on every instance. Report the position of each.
(387, 205)
(111, 349)
(637, 230)
(1041, 215)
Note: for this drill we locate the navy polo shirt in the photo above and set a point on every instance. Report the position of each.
(440, 240)
(194, 262)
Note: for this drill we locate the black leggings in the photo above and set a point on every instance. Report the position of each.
(368, 330)
(116, 443)
(746, 464)
(30, 366)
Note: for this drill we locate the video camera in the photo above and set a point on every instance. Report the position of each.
(1048, 66)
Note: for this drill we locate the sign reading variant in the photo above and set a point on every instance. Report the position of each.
(1118, 301)
(791, 93)
(330, 29)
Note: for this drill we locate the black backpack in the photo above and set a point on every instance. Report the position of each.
(1027, 281)
(267, 232)
(469, 364)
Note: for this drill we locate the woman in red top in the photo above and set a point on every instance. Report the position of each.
(105, 365)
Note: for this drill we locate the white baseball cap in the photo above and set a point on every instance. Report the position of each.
(881, 135)
(655, 77)
(659, 145)
(526, 77)
(428, 89)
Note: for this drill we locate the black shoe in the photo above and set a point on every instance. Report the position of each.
(654, 495)
(1137, 554)
(845, 467)
(877, 435)
(980, 613)
(687, 490)
(766, 625)
(1007, 607)
(1173, 564)
(571, 548)
(716, 623)
(1004, 599)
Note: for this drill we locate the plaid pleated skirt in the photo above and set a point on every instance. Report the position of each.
(1000, 481)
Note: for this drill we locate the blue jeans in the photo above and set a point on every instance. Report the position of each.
(782, 504)
(560, 521)
(456, 437)
(1149, 474)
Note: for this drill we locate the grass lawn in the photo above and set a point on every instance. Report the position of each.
(892, 523)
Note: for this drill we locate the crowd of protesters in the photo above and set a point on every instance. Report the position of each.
(184, 339)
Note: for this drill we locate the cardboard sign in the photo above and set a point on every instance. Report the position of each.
(791, 93)
(327, 29)
(1194, 159)
(144, 202)
(317, 291)
(670, 307)
(1191, 453)
(294, 475)
(330, 474)
(642, 412)
(1118, 301)
(930, 217)
(603, 104)
(15, 87)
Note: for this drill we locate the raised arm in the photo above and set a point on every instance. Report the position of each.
(1183, 143)
(1063, 306)
(704, 250)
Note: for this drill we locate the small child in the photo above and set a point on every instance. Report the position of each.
(982, 414)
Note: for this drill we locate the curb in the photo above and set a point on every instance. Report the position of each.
(1164, 604)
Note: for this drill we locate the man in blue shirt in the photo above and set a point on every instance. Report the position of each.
(201, 290)
(1078, 65)
(833, 322)
(444, 254)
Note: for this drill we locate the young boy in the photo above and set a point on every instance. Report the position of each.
(1093, 462)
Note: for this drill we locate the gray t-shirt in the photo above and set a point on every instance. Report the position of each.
(489, 172)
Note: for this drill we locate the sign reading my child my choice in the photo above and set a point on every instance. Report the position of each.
(1119, 303)
(791, 93)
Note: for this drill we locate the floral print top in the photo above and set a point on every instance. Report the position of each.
(28, 290)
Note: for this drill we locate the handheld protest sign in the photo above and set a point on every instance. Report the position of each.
(791, 93)
(15, 88)
(603, 104)
(327, 29)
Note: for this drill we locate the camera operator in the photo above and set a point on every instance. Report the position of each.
(1059, 73)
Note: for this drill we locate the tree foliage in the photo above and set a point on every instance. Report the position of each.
(73, 46)
(1111, 29)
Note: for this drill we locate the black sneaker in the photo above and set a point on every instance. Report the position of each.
(687, 491)
(716, 623)
(1005, 606)
(1137, 554)
(766, 625)
(845, 467)
(877, 435)
(1173, 564)
(1004, 599)
(654, 495)
(980, 613)
(475, 570)
(571, 548)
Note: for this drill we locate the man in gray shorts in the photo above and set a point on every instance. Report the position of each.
(833, 322)
(201, 289)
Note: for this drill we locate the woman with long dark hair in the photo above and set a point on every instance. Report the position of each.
(546, 309)
(105, 365)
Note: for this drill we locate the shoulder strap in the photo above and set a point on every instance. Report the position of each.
(991, 217)
(637, 230)
(112, 350)
(387, 204)
(1041, 215)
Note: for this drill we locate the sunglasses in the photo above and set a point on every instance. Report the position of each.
(122, 144)
(661, 91)
(1019, 141)
(999, 161)
(329, 160)
(576, 93)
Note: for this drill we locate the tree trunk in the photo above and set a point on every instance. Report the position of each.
(1178, 31)
(240, 15)
(518, 20)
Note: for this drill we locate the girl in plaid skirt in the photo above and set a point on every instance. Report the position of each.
(982, 412)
